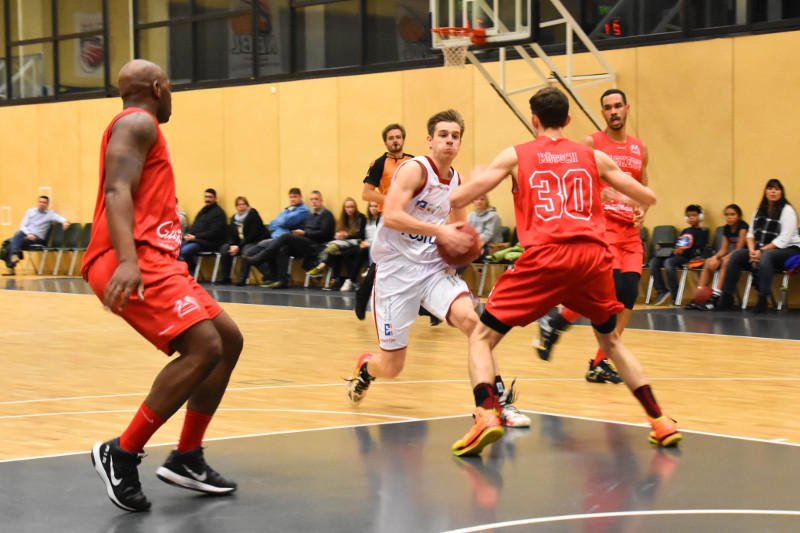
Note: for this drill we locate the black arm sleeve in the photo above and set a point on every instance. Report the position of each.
(376, 171)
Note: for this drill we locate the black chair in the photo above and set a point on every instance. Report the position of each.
(83, 243)
(55, 241)
(706, 252)
(71, 238)
(661, 234)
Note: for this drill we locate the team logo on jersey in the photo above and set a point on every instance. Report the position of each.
(166, 231)
(185, 306)
(426, 207)
(635, 149)
(387, 329)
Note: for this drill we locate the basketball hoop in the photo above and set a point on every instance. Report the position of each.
(455, 42)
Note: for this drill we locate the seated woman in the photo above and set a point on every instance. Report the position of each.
(355, 258)
(245, 230)
(771, 240)
(349, 233)
(733, 238)
(487, 222)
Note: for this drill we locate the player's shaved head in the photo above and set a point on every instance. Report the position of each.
(136, 78)
(144, 84)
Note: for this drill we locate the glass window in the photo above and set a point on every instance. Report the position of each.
(31, 19)
(271, 42)
(774, 10)
(75, 17)
(610, 19)
(32, 71)
(717, 13)
(156, 44)
(328, 36)
(159, 10)
(211, 49)
(80, 65)
(396, 30)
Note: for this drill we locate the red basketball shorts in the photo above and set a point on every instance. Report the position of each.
(577, 275)
(173, 301)
(626, 247)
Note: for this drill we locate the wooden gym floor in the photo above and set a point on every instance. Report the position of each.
(306, 461)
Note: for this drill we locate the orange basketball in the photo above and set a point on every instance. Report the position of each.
(459, 260)
(702, 295)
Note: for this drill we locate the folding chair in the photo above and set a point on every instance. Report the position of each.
(83, 243)
(200, 256)
(71, 238)
(56, 241)
(708, 251)
(661, 234)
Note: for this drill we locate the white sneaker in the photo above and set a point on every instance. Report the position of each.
(510, 415)
(347, 286)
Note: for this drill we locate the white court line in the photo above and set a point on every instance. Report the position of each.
(316, 411)
(381, 384)
(631, 328)
(660, 512)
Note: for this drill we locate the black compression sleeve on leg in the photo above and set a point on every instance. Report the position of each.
(606, 327)
(492, 322)
(627, 287)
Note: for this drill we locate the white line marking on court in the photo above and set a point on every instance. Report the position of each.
(659, 512)
(316, 411)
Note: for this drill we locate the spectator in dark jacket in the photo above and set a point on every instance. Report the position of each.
(244, 232)
(305, 244)
(207, 233)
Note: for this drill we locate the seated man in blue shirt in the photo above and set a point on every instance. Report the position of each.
(32, 232)
(291, 218)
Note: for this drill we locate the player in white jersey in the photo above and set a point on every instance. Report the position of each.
(410, 271)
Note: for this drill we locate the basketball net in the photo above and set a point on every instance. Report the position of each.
(455, 42)
(454, 50)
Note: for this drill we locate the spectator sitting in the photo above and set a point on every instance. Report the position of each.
(245, 231)
(291, 218)
(487, 222)
(350, 231)
(302, 244)
(207, 233)
(689, 244)
(734, 235)
(182, 217)
(771, 240)
(32, 232)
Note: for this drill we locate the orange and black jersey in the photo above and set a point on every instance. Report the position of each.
(382, 169)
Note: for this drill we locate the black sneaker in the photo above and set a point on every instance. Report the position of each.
(602, 373)
(190, 471)
(661, 297)
(118, 470)
(363, 293)
(548, 333)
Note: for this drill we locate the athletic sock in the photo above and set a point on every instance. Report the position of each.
(717, 292)
(645, 396)
(194, 428)
(569, 316)
(599, 358)
(486, 397)
(144, 424)
(499, 386)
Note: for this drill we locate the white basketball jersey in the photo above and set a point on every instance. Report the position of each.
(431, 204)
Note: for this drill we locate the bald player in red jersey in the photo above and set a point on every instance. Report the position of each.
(556, 188)
(623, 221)
(131, 265)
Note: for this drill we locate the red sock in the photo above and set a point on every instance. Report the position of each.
(648, 401)
(569, 315)
(486, 397)
(194, 427)
(145, 422)
(598, 358)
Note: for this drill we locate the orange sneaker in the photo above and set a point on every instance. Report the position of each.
(665, 431)
(356, 385)
(486, 430)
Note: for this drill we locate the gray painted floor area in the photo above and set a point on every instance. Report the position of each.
(562, 475)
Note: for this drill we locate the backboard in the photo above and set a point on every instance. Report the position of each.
(506, 21)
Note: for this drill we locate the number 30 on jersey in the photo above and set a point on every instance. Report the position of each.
(555, 196)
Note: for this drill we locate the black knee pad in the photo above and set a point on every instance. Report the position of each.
(606, 327)
(627, 287)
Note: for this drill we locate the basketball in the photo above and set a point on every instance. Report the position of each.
(470, 255)
(702, 295)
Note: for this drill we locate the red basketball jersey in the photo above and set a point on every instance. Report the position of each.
(557, 195)
(629, 157)
(155, 214)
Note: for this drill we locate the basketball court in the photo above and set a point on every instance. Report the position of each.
(307, 461)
